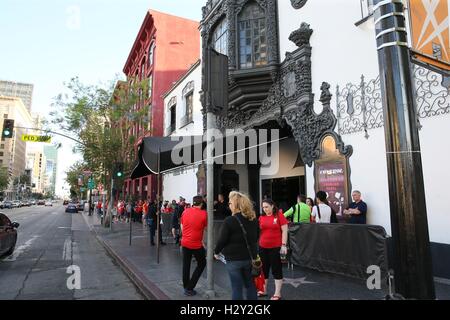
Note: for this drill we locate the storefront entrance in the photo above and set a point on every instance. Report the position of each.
(283, 191)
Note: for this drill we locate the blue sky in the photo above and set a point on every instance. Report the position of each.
(47, 42)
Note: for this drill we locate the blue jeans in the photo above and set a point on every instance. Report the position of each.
(240, 273)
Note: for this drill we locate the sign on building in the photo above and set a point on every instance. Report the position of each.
(34, 138)
(331, 173)
(430, 32)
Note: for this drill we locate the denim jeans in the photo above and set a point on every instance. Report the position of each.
(240, 273)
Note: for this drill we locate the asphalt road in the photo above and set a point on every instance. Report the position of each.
(51, 244)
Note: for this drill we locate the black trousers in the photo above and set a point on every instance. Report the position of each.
(153, 225)
(189, 282)
(271, 260)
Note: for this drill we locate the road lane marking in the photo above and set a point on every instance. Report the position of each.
(67, 251)
(18, 251)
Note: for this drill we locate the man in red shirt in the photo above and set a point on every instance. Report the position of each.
(193, 224)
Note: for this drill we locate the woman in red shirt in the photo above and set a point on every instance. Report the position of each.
(272, 244)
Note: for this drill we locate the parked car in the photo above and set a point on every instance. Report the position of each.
(7, 205)
(41, 202)
(48, 203)
(33, 202)
(80, 205)
(8, 235)
(72, 208)
(16, 204)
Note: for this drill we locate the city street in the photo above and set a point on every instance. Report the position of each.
(49, 241)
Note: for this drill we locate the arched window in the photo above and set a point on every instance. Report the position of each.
(219, 39)
(252, 36)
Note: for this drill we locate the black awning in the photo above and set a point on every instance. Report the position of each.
(179, 151)
(164, 147)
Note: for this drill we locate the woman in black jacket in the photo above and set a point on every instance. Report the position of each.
(232, 244)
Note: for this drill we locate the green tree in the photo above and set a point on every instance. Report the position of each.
(101, 119)
(4, 178)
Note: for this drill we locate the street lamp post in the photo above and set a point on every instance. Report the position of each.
(412, 257)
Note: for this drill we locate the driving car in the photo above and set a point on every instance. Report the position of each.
(8, 235)
(66, 202)
(72, 208)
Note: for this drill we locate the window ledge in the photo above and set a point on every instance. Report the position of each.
(186, 124)
(360, 22)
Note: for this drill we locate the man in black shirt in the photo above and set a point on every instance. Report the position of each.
(357, 210)
(221, 210)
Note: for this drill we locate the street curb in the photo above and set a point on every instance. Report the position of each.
(148, 289)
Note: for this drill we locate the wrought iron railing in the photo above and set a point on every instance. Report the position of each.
(359, 107)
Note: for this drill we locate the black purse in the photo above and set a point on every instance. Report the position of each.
(256, 263)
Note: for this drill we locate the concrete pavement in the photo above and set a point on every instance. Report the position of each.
(49, 241)
(163, 281)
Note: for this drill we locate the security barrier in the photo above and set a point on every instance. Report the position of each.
(344, 249)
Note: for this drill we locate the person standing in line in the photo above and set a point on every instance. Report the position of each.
(193, 224)
(357, 210)
(177, 213)
(153, 223)
(322, 211)
(272, 245)
(310, 202)
(300, 211)
(221, 210)
(144, 213)
(233, 245)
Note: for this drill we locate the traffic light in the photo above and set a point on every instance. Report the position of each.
(8, 127)
(119, 170)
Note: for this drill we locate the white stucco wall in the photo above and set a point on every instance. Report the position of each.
(195, 128)
(435, 147)
(341, 53)
(184, 184)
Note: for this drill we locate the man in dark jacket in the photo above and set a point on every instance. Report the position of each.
(153, 223)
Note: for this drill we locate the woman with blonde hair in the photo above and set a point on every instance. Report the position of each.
(237, 231)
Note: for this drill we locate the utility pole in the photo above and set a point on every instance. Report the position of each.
(413, 276)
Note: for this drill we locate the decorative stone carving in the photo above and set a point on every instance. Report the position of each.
(302, 35)
(297, 4)
(290, 100)
(308, 127)
(325, 96)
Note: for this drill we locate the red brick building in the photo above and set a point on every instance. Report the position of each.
(165, 48)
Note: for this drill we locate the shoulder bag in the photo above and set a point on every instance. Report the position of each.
(256, 263)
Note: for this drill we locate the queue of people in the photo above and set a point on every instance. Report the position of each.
(245, 236)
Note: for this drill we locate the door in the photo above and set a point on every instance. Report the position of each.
(230, 182)
(283, 191)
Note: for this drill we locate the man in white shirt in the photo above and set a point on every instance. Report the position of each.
(321, 212)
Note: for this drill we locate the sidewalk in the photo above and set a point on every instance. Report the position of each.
(163, 281)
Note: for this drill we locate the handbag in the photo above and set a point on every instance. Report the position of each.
(256, 263)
